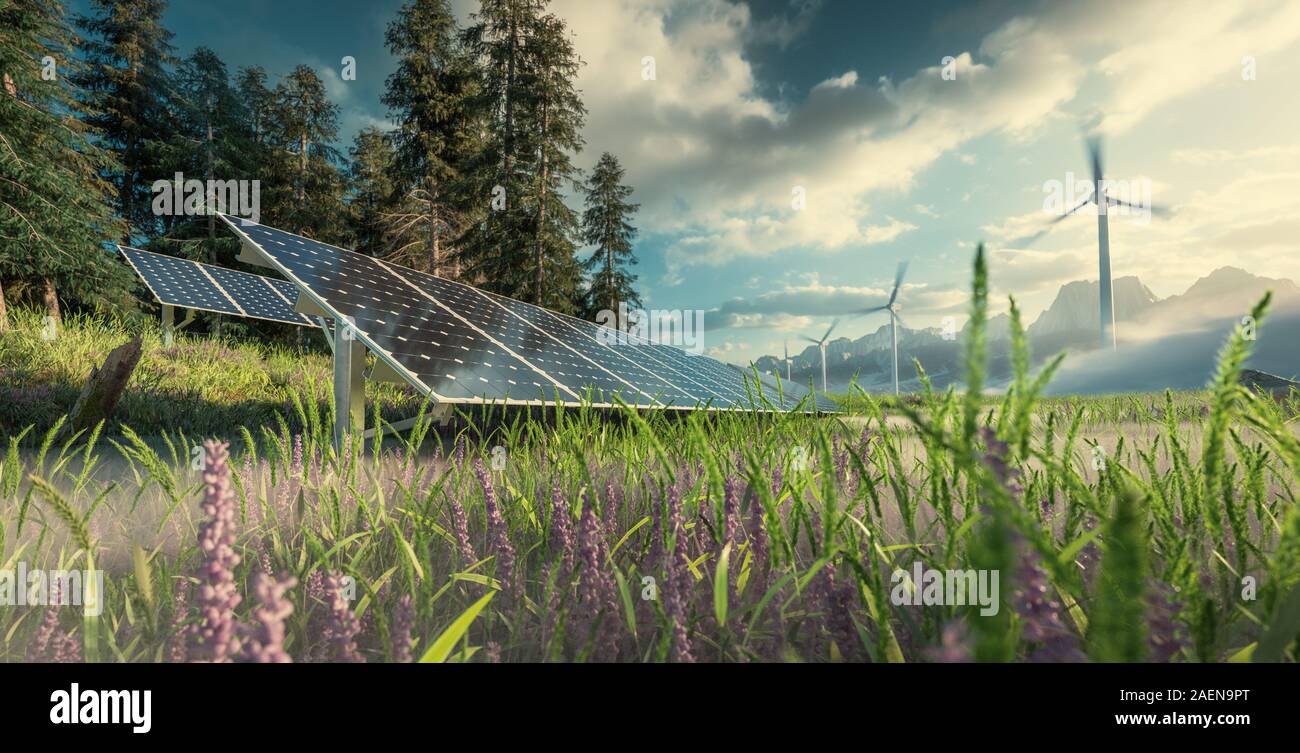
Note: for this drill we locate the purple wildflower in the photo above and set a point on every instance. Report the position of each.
(40, 644)
(731, 512)
(403, 622)
(1040, 614)
(218, 597)
(954, 645)
(563, 528)
(677, 591)
(497, 529)
(460, 525)
(66, 648)
(998, 459)
(597, 600)
(266, 645)
(836, 604)
(343, 624)
(296, 467)
(459, 452)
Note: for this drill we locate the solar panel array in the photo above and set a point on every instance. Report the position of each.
(457, 343)
(193, 285)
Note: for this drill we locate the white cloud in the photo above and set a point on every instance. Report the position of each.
(886, 233)
(714, 159)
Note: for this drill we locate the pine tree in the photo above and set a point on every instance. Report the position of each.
(429, 97)
(210, 141)
(210, 127)
(304, 125)
(557, 113)
(128, 51)
(263, 162)
(370, 176)
(257, 99)
(606, 226)
(54, 209)
(522, 240)
(494, 249)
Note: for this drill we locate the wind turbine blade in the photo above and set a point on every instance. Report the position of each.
(898, 318)
(1032, 238)
(872, 310)
(809, 339)
(1156, 210)
(1094, 157)
(1086, 201)
(834, 322)
(898, 281)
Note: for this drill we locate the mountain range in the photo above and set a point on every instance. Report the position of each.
(1168, 342)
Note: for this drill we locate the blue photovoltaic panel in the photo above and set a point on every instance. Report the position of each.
(585, 344)
(584, 376)
(193, 285)
(178, 282)
(436, 350)
(257, 295)
(462, 344)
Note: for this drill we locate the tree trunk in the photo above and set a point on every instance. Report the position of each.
(10, 86)
(4, 311)
(609, 277)
(509, 123)
(302, 176)
(212, 218)
(50, 297)
(130, 162)
(541, 204)
(435, 255)
(105, 387)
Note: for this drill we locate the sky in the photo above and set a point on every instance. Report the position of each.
(846, 105)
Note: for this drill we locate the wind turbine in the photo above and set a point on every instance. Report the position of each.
(822, 345)
(892, 307)
(1106, 293)
(786, 345)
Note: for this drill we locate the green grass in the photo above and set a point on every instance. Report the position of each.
(200, 386)
(758, 537)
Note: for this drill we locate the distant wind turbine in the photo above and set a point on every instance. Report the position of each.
(822, 345)
(786, 345)
(1107, 302)
(892, 307)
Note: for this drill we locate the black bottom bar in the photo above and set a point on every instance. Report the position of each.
(962, 702)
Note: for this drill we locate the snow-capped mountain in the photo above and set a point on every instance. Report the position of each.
(1075, 307)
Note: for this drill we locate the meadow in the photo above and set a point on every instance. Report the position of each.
(1158, 527)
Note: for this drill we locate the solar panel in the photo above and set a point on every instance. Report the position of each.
(189, 284)
(460, 344)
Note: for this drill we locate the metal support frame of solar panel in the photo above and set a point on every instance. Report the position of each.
(193, 285)
(422, 320)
